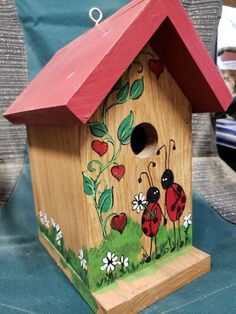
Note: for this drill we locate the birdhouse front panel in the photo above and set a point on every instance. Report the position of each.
(113, 196)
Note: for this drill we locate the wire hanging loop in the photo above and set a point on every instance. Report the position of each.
(98, 19)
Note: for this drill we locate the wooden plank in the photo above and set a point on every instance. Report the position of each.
(54, 154)
(69, 272)
(133, 296)
(231, 3)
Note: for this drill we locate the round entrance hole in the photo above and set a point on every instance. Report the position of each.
(144, 140)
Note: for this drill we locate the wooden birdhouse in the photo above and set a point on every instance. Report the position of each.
(109, 133)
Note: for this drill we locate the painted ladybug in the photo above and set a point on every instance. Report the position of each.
(175, 197)
(152, 214)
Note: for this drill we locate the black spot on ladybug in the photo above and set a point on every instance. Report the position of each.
(143, 220)
(145, 231)
(155, 220)
(179, 209)
(179, 188)
(183, 199)
(173, 208)
(151, 235)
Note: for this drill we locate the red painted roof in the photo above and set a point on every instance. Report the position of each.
(76, 80)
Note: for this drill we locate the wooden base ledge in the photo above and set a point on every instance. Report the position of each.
(133, 296)
(138, 291)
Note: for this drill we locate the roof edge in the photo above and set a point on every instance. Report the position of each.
(120, 55)
(194, 61)
(163, 23)
(61, 115)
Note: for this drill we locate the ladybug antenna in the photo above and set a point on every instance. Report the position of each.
(153, 164)
(159, 151)
(140, 178)
(173, 148)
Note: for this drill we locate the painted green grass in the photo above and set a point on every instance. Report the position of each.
(165, 239)
(129, 245)
(69, 257)
(50, 234)
(152, 267)
(77, 281)
(84, 291)
(73, 261)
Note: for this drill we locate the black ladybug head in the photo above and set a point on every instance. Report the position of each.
(153, 195)
(167, 179)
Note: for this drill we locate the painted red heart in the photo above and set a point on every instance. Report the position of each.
(119, 222)
(100, 147)
(118, 172)
(156, 66)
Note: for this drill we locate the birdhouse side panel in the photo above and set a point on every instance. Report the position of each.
(136, 171)
(54, 153)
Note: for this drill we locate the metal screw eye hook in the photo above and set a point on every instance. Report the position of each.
(94, 19)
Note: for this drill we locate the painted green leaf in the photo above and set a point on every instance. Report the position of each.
(105, 202)
(88, 183)
(125, 129)
(123, 94)
(121, 81)
(137, 89)
(118, 84)
(98, 129)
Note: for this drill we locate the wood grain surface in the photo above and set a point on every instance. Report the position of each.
(231, 3)
(59, 155)
(131, 296)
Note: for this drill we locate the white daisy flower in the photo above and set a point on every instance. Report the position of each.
(139, 202)
(84, 264)
(42, 216)
(59, 236)
(81, 254)
(57, 227)
(124, 262)
(187, 221)
(45, 217)
(53, 223)
(47, 224)
(83, 261)
(109, 262)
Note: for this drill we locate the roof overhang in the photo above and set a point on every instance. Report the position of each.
(72, 85)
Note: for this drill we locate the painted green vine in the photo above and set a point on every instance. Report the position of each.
(95, 187)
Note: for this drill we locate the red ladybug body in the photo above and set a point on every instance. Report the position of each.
(151, 223)
(175, 197)
(175, 200)
(152, 214)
